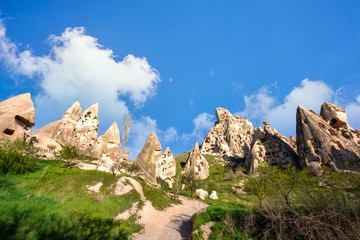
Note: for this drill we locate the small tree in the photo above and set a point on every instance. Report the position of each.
(126, 130)
(68, 153)
(258, 186)
(190, 181)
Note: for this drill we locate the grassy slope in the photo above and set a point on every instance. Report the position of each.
(56, 194)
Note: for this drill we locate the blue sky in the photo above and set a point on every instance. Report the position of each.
(171, 63)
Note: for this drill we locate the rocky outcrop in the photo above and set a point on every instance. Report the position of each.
(80, 129)
(270, 147)
(196, 164)
(17, 116)
(230, 137)
(235, 139)
(155, 164)
(327, 139)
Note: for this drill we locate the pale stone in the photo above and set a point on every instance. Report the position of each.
(196, 164)
(231, 136)
(201, 193)
(154, 163)
(17, 116)
(320, 141)
(80, 129)
(213, 195)
(334, 115)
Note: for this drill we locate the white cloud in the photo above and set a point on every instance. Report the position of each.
(261, 106)
(353, 112)
(202, 124)
(256, 105)
(141, 130)
(78, 68)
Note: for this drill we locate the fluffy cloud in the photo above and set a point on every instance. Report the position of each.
(202, 124)
(140, 131)
(262, 105)
(78, 68)
(257, 104)
(353, 112)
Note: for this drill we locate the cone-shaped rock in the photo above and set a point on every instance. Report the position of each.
(74, 112)
(196, 164)
(148, 158)
(17, 116)
(321, 141)
(112, 135)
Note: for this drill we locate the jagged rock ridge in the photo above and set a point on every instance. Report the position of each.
(235, 138)
(80, 129)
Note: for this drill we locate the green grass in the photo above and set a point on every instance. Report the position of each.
(227, 218)
(157, 196)
(54, 201)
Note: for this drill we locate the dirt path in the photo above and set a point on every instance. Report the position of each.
(172, 223)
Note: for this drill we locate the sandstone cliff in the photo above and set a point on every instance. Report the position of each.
(327, 139)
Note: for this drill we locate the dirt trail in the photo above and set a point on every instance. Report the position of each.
(172, 223)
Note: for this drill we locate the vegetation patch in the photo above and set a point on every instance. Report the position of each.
(53, 202)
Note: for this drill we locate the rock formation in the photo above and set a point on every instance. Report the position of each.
(327, 139)
(196, 164)
(153, 163)
(234, 138)
(17, 116)
(230, 137)
(80, 129)
(270, 147)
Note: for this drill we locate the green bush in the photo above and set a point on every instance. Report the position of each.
(16, 157)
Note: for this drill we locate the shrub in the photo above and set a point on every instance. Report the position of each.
(16, 157)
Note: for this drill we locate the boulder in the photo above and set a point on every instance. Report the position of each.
(213, 195)
(17, 117)
(153, 163)
(201, 193)
(196, 164)
(327, 139)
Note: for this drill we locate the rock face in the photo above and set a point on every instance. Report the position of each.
(327, 139)
(80, 129)
(197, 164)
(17, 116)
(269, 146)
(229, 137)
(154, 163)
(234, 138)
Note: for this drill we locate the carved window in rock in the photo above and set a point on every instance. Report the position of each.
(8, 131)
(22, 122)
